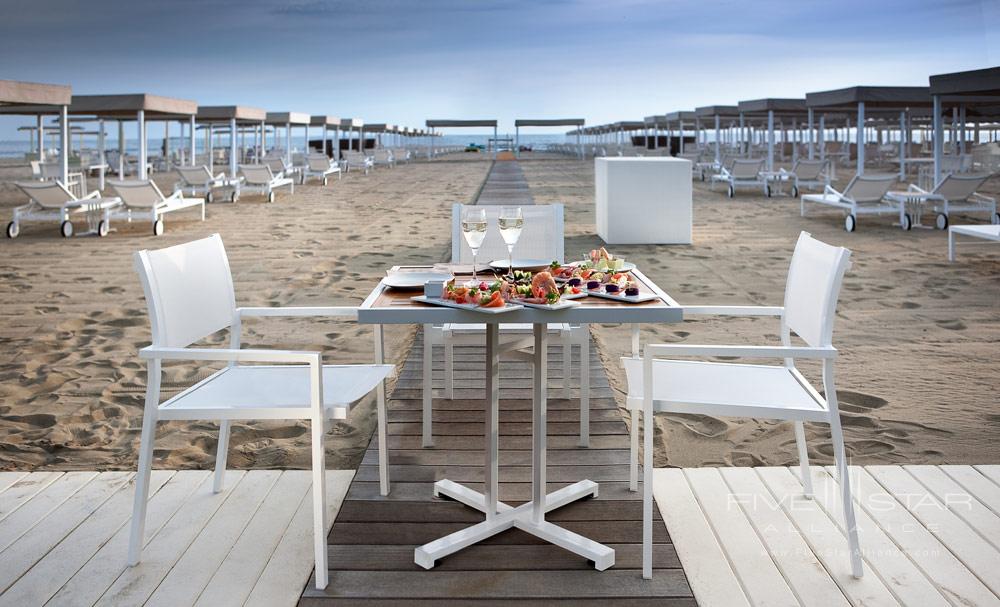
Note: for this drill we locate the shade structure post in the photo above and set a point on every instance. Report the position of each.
(718, 135)
(64, 143)
(770, 140)
(517, 141)
(166, 144)
(812, 134)
(288, 142)
(305, 146)
(210, 147)
(961, 129)
(742, 135)
(902, 145)
(680, 134)
(579, 148)
(232, 147)
(325, 138)
(141, 119)
(494, 143)
(121, 150)
(822, 137)
(41, 138)
(938, 138)
(860, 137)
(191, 147)
(101, 154)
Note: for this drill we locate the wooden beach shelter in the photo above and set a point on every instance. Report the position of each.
(872, 102)
(770, 109)
(326, 123)
(233, 118)
(529, 122)
(715, 115)
(681, 119)
(451, 124)
(655, 124)
(19, 97)
(350, 125)
(287, 120)
(977, 91)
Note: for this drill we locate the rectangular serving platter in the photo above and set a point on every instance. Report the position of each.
(447, 303)
(564, 303)
(640, 298)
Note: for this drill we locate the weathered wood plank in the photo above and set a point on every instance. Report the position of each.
(445, 457)
(547, 602)
(447, 511)
(24, 489)
(555, 429)
(33, 499)
(512, 493)
(475, 443)
(975, 514)
(519, 416)
(973, 481)
(475, 474)
(623, 532)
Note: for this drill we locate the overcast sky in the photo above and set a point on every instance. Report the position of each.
(402, 61)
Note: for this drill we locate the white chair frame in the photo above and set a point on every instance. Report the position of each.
(818, 177)
(814, 280)
(743, 173)
(95, 209)
(320, 167)
(207, 304)
(154, 212)
(515, 337)
(973, 202)
(263, 186)
(864, 204)
(353, 159)
(206, 183)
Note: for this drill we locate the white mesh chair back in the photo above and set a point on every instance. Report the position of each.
(189, 291)
(194, 175)
(957, 188)
(47, 194)
(869, 188)
(319, 162)
(809, 170)
(142, 194)
(812, 288)
(541, 238)
(277, 165)
(746, 169)
(256, 174)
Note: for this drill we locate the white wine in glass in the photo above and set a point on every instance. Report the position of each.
(511, 222)
(474, 230)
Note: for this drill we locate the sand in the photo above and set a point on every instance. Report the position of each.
(918, 337)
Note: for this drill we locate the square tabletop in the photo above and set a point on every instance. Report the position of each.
(391, 306)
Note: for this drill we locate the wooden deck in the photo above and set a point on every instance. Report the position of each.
(373, 538)
(64, 538)
(930, 535)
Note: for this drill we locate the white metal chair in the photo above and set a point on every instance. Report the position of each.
(143, 200)
(383, 157)
(280, 168)
(200, 180)
(743, 173)
(52, 201)
(354, 159)
(259, 178)
(752, 390)
(189, 294)
(542, 238)
(320, 167)
(956, 193)
(864, 195)
(806, 174)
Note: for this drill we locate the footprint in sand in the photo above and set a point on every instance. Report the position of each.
(112, 290)
(856, 402)
(954, 324)
(909, 305)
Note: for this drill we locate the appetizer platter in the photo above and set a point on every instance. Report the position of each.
(603, 276)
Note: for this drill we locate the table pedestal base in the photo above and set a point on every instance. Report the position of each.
(524, 517)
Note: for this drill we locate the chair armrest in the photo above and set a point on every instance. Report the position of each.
(735, 310)
(917, 189)
(294, 311)
(981, 198)
(92, 195)
(230, 355)
(830, 190)
(741, 351)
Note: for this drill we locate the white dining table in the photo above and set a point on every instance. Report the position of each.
(385, 306)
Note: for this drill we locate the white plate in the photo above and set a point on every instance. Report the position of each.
(413, 280)
(561, 305)
(627, 266)
(620, 296)
(580, 295)
(447, 303)
(521, 264)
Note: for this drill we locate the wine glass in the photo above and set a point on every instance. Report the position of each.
(474, 230)
(511, 222)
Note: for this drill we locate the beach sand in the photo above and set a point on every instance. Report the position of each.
(919, 338)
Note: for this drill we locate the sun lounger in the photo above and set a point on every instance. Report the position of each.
(143, 200)
(864, 195)
(954, 193)
(990, 232)
(806, 174)
(321, 167)
(383, 157)
(357, 160)
(199, 180)
(743, 173)
(280, 168)
(258, 178)
(51, 201)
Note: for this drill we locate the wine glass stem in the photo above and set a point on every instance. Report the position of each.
(510, 260)
(474, 253)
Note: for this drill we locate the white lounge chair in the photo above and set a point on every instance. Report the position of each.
(743, 173)
(143, 200)
(189, 294)
(806, 174)
(199, 180)
(258, 178)
(383, 157)
(320, 167)
(955, 193)
(781, 392)
(280, 168)
(542, 238)
(864, 195)
(984, 232)
(356, 160)
(52, 201)
(401, 155)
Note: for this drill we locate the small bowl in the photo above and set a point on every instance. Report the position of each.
(593, 285)
(611, 288)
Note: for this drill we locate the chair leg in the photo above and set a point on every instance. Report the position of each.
(382, 414)
(220, 456)
(585, 392)
(800, 439)
(647, 482)
(428, 391)
(449, 371)
(141, 493)
(633, 460)
(850, 523)
(319, 500)
(567, 368)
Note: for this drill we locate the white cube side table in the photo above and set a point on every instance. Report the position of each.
(643, 200)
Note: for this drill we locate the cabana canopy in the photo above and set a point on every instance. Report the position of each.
(225, 113)
(978, 90)
(722, 111)
(284, 118)
(438, 123)
(325, 121)
(13, 92)
(519, 122)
